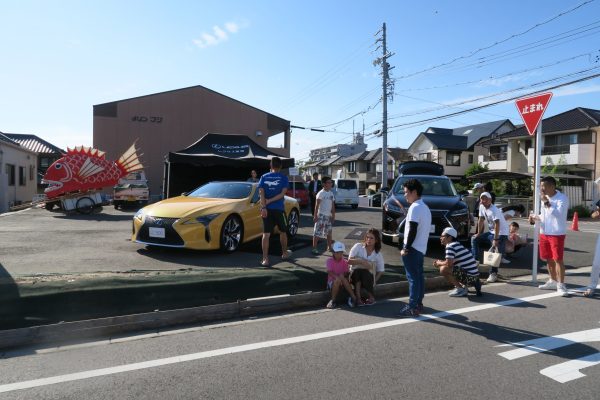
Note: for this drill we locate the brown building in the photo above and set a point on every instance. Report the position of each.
(171, 121)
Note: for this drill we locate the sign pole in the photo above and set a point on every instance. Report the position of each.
(536, 200)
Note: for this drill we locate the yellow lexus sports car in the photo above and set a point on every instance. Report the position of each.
(217, 215)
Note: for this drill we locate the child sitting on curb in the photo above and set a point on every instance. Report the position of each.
(515, 241)
(459, 268)
(337, 275)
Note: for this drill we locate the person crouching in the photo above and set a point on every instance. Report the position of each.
(459, 268)
(338, 271)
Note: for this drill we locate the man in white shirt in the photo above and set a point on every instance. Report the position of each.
(553, 229)
(416, 235)
(497, 234)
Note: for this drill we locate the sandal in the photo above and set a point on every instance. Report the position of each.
(285, 255)
(589, 292)
(265, 263)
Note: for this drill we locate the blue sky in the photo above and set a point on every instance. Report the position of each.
(309, 62)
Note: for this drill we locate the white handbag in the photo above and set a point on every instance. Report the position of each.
(492, 257)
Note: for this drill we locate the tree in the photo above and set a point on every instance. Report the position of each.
(476, 169)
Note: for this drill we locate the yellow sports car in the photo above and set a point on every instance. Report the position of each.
(217, 215)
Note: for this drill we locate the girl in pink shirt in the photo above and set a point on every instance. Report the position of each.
(337, 275)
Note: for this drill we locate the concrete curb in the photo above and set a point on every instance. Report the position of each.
(107, 327)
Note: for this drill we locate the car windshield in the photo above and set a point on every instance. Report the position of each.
(223, 190)
(432, 186)
(347, 185)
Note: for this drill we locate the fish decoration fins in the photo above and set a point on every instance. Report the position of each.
(129, 161)
(89, 168)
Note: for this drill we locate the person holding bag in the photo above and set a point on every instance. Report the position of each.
(497, 235)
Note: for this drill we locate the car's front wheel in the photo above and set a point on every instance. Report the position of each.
(293, 223)
(231, 234)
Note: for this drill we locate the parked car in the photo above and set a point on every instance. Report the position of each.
(446, 205)
(217, 215)
(374, 200)
(345, 192)
(299, 191)
(131, 190)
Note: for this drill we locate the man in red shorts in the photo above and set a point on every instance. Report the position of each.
(553, 229)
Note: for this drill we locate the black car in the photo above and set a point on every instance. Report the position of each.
(447, 208)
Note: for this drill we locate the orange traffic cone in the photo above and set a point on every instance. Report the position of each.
(575, 224)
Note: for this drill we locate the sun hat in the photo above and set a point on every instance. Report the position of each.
(338, 246)
(485, 194)
(450, 232)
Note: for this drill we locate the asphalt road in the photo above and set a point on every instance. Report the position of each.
(36, 242)
(461, 348)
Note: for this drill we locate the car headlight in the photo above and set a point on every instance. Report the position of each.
(459, 213)
(203, 219)
(393, 207)
(139, 215)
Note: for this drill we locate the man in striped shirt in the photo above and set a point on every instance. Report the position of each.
(459, 268)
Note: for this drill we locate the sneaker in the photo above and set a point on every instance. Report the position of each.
(550, 285)
(331, 304)
(458, 292)
(420, 307)
(477, 286)
(315, 251)
(562, 289)
(492, 278)
(350, 302)
(409, 312)
(505, 261)
(369, 302)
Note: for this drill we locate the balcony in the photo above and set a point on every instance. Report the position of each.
(495, 162)
(568, 154)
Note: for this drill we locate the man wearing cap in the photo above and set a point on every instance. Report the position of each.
(477, 190)
(553, 229)
(498, 231)
(459, 268)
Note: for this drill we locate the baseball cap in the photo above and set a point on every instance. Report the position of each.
(450, 232)
(478, 185)
(338, 246)
(485, 194)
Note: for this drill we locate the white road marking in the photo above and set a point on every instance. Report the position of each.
(259, 345)
(569, 370)
(548, 343)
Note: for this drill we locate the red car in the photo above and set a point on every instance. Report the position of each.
(298, 191)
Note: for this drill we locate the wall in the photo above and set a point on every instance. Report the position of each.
(174, 120)
(19, 157)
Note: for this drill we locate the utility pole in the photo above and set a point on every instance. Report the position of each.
(388, 91)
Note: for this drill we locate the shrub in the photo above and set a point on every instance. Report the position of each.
(582, 211)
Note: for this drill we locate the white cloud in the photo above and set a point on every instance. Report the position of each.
(574, 90)
(218, 35)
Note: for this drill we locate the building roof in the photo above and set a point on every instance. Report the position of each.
(330, 161)
(6, 139)
(356, 157)
(34, 143)
(462, 138)
(575, 119)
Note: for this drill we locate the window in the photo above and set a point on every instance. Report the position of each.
(425, 156)
(470, 158)
(44, 162)
(453, 158)
(21, 176)
(352, 166)
(368, 167)
(498, 153)
(31, 172)
(10, 171)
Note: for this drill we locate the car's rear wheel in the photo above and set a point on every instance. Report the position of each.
(293, 223)
(355, 206)
(231, 234)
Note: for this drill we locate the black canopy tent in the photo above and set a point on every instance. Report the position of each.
(216, 157)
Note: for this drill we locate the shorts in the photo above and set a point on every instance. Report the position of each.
(323, 226)
(552, 247)
(461, 275)
(274, 218)
(366, 279)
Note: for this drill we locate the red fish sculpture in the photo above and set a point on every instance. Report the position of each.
(85, 168)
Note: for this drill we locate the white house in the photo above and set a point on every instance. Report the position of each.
(18, 166)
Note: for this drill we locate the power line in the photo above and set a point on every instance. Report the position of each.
(472, 53)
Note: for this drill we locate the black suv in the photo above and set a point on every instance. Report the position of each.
(447, 208)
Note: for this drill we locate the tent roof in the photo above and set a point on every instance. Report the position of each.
(226, 150)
